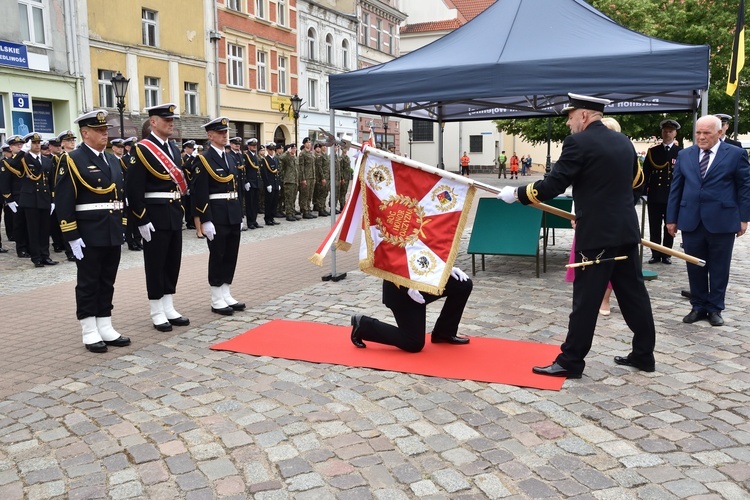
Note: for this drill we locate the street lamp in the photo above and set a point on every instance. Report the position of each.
(411, 138)
(296, 106)
(120, 86)
(385, 127)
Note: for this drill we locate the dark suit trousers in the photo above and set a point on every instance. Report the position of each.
(20, 235)
(588, 289)
(272, 199)
(162, 257)
(409, 335)
(252, 198)
(222, 254)
(708, 284)
(132, 234)
(9, 219)
(95, 285)
(37, 229)
(657, 213)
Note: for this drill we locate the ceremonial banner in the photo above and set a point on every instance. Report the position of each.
(738, 51)
(412, 217)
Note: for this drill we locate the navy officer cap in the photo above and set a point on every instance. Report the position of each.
(162, 110)
(236, 140)
(15, 139)
(723, 117)
(189, 144)
(130, 141)
(120, 143)
(252, 142)
(66, 135)
(670, 123)
(578, 101)
(5, 147)
(54, 141)
(217, 124)
(93, 119)
(33, 137)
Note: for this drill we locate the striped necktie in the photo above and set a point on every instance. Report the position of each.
(704, 162)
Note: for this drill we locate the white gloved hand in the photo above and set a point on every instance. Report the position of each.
(458, 274)
(194, 153)
(146, 231)
(247, 186)
(208, 230)
(269, 188)
(51, 208)
(415, 296)
(26, 147)
(507, 194)
(77, 246)
(13, 207)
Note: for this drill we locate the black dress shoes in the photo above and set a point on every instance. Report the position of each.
(256, 225)
(715, 319)
(356, 339)
(685, 293)
(455, 339)
(38, 264)
(181, 321)
(3, 250)
(237, 306)
(97, 347)
(49, 262)
(57, 249)
(134, 248)
(164, 327)
(24, 255)
(626, 361)
(654, 260)
(225, 311)
(694, 316)
(70, 257)
(666, 260)
(119, 341)
(555, 370)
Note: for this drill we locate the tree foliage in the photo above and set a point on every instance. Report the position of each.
(696, 22)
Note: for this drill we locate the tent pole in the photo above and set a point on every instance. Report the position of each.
(548, 165)
(333, 276)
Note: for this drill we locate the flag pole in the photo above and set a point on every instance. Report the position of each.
(495, 190)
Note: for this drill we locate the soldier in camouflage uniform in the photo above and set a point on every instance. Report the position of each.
(307, 179)
(291, 178)
(322, 172)
(344, 175)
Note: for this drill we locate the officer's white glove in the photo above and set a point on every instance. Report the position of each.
(415, 296)
(208, 230)
(507, 194)
(26, 147)
(146, 231)
(247, 186)
(458, 274)
(194, 153)
(269, 188)
(13, 206)
(77, 246)
(51, 208)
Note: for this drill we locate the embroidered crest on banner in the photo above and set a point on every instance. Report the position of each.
(379, 176)
(422, 263)
(401, 220)
(445, 198)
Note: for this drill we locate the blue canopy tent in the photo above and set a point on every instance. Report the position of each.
(520, 58)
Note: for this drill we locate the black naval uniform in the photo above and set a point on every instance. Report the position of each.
(253, 162)
(154, 197)
(11, 178)
(89, 196)
(269, 172)
(35, 198)
(602, 166)
(216, 200)
(657, 170)
(132, 235)
(187, 205)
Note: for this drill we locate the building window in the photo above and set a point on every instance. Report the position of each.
(151, 86)
(379, 35)
(282, 76)
(33, 19)
(106, 91)
(260, 9)
(281, 12)
(262, 71)
(366, 29)
(476, 143)
(312, 94)
(235, 5)
(391, 38)
(148, 25)
(329, 49)
(423, 130)
(235, 66)
(191, 98)
(311, 45)
(345, 54)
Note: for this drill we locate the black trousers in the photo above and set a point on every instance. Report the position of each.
(95, 284)
(55, 232)
(271, 200)
(9, 217)
(132, 234)
(410, 317)
(20, 235)
(37, 229)
(252, 198)
(588, 289)
(657, 213)
(222, 254)
(187, 205)
(162, 257)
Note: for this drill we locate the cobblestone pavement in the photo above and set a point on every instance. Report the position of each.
(169, 418)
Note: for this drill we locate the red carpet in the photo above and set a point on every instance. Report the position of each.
(484, 360)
